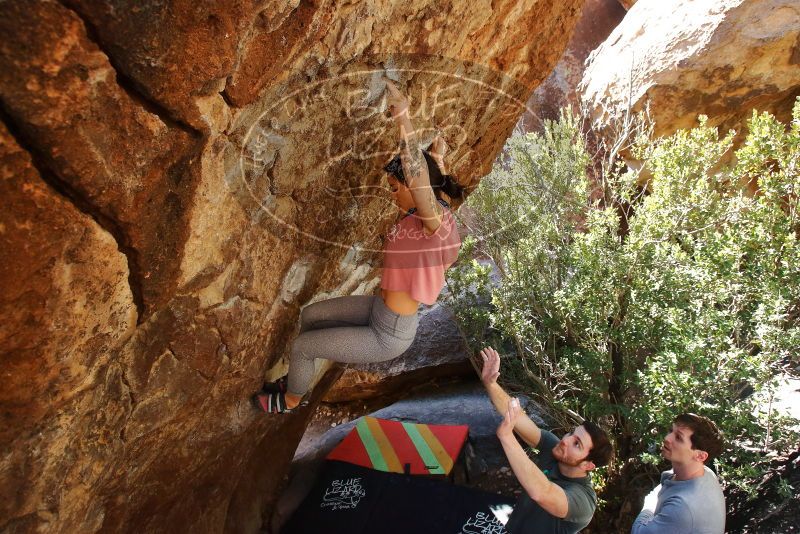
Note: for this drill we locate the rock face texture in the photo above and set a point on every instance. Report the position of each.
(720, 58)
(181, 177)
(66, 308)
(438, 351)
(598, 19)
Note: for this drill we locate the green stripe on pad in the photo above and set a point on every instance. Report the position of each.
(425, 452)
(374, 452)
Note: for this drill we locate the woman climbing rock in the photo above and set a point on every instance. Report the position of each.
(420, 247)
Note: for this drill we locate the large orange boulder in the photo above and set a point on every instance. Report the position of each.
(721, 58)
(598, 19)
(180, 178)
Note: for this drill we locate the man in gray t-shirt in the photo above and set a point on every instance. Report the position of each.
(529, 516)
(689, 499)
(558, 497)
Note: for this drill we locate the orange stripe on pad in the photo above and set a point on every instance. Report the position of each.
(385, 446)
(452, 438)
(436, 447)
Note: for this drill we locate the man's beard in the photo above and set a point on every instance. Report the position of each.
(560, 457)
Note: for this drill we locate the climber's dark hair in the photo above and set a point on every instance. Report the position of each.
(602, 451)
(439, 181)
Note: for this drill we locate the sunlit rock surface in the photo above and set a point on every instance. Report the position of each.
(598, 19)
(181, 177)
(721, 58)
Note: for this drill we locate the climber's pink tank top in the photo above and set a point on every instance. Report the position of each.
(415, 262)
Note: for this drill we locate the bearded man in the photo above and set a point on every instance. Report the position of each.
(558, 496)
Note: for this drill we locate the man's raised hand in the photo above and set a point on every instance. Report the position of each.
(506, 428)
(491, 366)
(515, 418)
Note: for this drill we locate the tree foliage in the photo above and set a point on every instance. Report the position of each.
(635, 295)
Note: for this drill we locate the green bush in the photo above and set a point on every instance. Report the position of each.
(632, 296)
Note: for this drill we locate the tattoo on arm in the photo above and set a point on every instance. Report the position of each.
(433, 204)
(414, 160)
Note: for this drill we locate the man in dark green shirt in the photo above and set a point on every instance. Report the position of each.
(558, 495)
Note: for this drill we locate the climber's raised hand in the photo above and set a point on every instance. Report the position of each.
(397, 101)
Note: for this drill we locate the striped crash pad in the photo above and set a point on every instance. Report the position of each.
(390, 446)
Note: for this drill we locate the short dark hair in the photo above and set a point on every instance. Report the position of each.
(602, 451)
(705, 434)
(439, 181)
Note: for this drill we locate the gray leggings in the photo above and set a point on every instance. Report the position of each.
(354, 329)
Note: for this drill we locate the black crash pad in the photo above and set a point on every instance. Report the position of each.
(350, 499)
